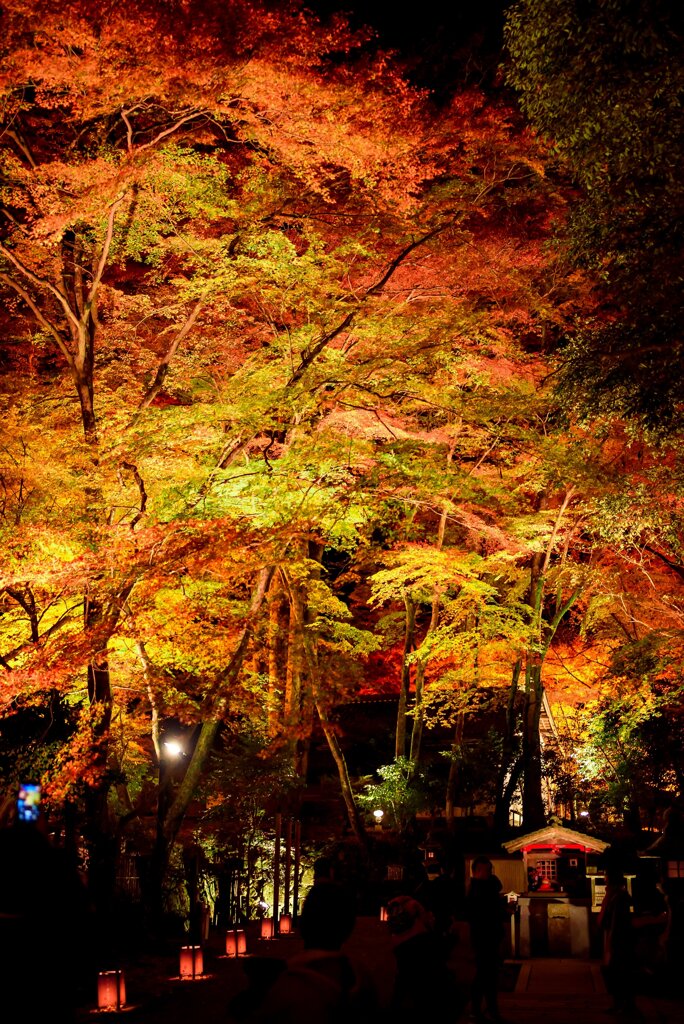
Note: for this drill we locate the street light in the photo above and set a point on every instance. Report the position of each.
(173, 748)
(378, 814)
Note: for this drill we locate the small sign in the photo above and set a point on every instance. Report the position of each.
(598, 891)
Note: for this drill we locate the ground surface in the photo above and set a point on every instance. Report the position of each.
(539, 991)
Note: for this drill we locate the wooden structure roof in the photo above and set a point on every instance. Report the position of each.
(556, 835)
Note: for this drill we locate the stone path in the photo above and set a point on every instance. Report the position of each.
(563, 991)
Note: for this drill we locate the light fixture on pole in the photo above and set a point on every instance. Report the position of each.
(173, 748)
(378, 814)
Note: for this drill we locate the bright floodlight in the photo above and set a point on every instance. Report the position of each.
(173, 748)
(584, 814)
(378, 815)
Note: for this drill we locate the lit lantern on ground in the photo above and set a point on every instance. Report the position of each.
(384, 916)
(236, 942)
(285, 924)
(267, 928)
(111, 990)
(191, 962)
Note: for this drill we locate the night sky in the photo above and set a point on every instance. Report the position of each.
(445, 44)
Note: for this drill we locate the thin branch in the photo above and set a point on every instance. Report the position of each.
(17, 223)
(51, 629)
(22, 146)
(556, 526)
(129, 128)
(106, 245)
(675, 566)
(40, 282)
(43, 320)
(147, 673)
(312, 351)
(143, 493)
(171, 130)
(163, 367)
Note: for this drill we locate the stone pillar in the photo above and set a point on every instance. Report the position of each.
(580, 942)
(524, 937)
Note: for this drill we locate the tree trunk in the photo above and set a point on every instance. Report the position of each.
(418, 706)
(504, 791)
(405, 681)
(276, 654)
(450, 805)
(534, 816)
(355, 822)
(173, 810)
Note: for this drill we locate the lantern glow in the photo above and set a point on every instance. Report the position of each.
(111, 990)
(285, 924)
(191, 962)
(236, 942)
(267, 928)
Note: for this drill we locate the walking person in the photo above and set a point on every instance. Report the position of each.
(486, 912)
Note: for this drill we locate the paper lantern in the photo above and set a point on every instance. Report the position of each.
(285, 924)
(191, 962)
(384, 916)
(236, 942)
(267, 928)
(111, 990)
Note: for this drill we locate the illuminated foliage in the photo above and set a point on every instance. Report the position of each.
(277, 403)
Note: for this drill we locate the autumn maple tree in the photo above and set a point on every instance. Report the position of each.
(279, 399)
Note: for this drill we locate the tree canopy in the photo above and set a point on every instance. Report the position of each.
(279, 404)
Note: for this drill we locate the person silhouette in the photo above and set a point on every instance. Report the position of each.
(43, 914)
(615, 923)
(424, 984)
(321, 984)
(485, 911)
